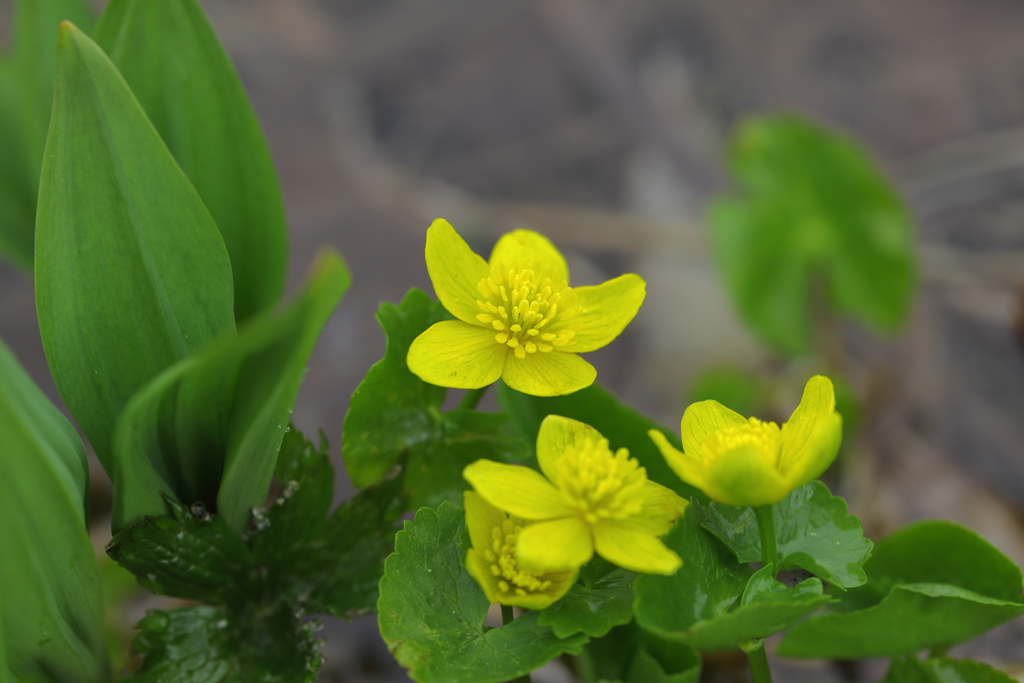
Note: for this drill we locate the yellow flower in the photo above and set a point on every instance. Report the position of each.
(518, 319)
(590, 499)
(743, 462)
(492, 560)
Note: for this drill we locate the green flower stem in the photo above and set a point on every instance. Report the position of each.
(754, 649)
(506, 618)
(766, 525)
(472, 397)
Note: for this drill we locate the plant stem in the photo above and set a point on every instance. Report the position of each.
(759, 671)
(472, 397)
(506, 618)
(766, 525)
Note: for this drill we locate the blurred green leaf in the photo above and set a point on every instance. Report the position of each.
(131, 273)
(51, 624)
(812, 204)
(431, 612)
(931, 584)
(395, 417)
(17, 186)
(814, 532)
(603, 598)
(200, 109)
(943, 670)
(209, 428)
(735, 388)
(631, 655)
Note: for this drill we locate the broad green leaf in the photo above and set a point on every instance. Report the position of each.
(930, 585)
(50, 614)
(131, 273)
(943, 670)
(209, 428)
(812, 206)
(431, 612)
(629, 654)
(647, 668)
(813, 529)
(212, 645)
(395, 417)
(18, 188)
(602, 598)
(623, 426)
(199, 107)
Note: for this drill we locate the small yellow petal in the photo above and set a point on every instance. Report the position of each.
(480, 569)
(556, 434)
(516, 489)
(455, 271)
(455, 354)
(703, 418)
(517, 245)
(811, 437)
(744, 477)
(634, 550)
(481, 517)
(606, 309)
(548, 374)
(559, 544)
(687, 468)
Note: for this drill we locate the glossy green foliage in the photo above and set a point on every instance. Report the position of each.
(431, 611)
(600, 599)
(208, 429)
(813, 209)
(930, 585)
(628, 654)
(394, 418)
(713, 602)
(623, 426)
(131, 273)
(943, 670)
(50, 614)
(26, 98)
(170, 57)
(813, 531)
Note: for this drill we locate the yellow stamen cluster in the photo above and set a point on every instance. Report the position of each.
(600, 484)
(523, 302)
(502, 556)
(763, 437)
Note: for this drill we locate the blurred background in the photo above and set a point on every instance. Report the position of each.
(604, 124)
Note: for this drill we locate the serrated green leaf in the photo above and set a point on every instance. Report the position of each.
(131, 273)
(623, 426)
(813, 529)
(943, 670)
(394, 415)
(431, 612)
(594, 605)
(209, 428)
(199, 107)
(211, 645)
(812, 204)
(50, 614)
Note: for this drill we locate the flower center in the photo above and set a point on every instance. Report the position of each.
(524, 303)
(763, 437)
(502, 556)
(598, 483)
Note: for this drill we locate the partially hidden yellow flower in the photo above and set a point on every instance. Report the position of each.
(740, 461)
(518, 319)
(588, 499)
(492, 560)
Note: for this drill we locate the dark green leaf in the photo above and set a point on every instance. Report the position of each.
(623, 426)
(200, 108)
(394, 415)
(18, 188)
(131, 273)
(812, 205)
(647, 668)
(813, 529)
(209, 428)
(594, 606)
(631, 655)
(733, 387)
(432, 612)
(211, 645)
(50, 615)
(943, 670)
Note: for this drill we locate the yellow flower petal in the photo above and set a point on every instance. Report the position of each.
(744, 477)
(561, 582)
(480, 569)
(556, 434)
(607, 309)
(559, 544)
(811, 437)
(517, 490)
(818, 452)
(548, 374)
(481, 517)
(456, 354)
(517, 245)
(686, 467)
(633, 549)
(662, 507)
(703, 418)
(455, 271)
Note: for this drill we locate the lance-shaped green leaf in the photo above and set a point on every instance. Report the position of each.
(131, 273)
(601, 599)
(209, 428)
(930, 585)
(910, 669)
(713, 602)
(431, 612)
(394, 417)
(814, 531)
(50, 620)
(18, 188)
(200, 108)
